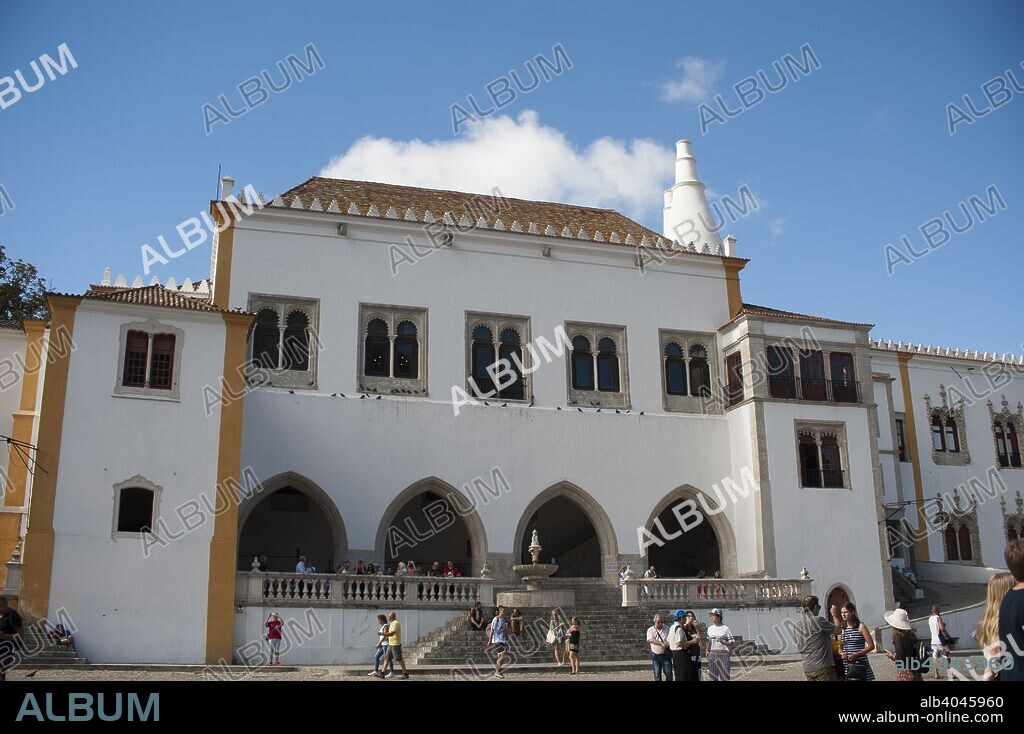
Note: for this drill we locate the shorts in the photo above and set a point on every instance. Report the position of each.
(275, 645)
(940, 651)
(499, 647)
(828, 673)
(574, 648)
(394, 651)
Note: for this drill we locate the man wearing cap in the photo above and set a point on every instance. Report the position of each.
(678, 644)
(813, 639)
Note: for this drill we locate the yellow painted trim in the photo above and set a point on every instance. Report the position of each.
(225, 247)
(220, 602)
(910, 428)
(732, 284)
(23, 419)
(37, 565)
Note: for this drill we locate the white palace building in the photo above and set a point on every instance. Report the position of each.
(325, 393)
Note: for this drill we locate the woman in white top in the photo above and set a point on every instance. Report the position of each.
(939, 649)
(721, 643)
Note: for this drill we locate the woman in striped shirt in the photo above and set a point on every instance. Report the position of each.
(857, 643)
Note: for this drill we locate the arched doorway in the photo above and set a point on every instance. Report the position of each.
(290, 517)
(432, 521)
(708, 546)
(573, 529)
(837, 597)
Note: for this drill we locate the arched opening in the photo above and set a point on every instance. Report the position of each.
(291, 517)
(683, 555)
(432, 521)
(572, 528)
(709, 546)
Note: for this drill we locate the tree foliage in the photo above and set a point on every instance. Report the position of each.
(22, 291)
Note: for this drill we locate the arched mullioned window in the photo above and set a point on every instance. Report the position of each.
(675, 370)
(295, 348)
(406, 351)
(607, 366)
(952, 544)
(377, 360)
(964, 537)
(510, 349)
(700, 372)
(265, 340)
(582, 364)
(482, 357)
(938, 434)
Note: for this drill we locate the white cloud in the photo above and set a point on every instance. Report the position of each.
(697, 83)
(524, 159)
(776, 226)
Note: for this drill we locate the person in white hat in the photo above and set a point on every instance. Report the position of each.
(722, 641)
(904, 642)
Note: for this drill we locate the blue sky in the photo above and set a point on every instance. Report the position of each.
(845, 160)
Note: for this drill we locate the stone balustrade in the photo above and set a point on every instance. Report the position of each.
(715, 592)
(349, 590)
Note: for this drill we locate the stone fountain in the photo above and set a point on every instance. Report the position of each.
(534, 575)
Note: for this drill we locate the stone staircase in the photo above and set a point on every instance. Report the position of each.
(38, 652)
(609, 632)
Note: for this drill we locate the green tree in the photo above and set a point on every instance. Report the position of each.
(22, 291)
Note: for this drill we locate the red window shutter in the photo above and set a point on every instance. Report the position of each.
(136, 348)
(162, 369)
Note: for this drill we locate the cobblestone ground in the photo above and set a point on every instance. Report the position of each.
(884, 670)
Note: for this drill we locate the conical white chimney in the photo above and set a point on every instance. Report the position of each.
(687, 216)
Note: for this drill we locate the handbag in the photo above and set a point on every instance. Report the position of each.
(946, 639)
(550, 639)
(856, 670)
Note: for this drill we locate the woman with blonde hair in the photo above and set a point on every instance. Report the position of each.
(987, 632)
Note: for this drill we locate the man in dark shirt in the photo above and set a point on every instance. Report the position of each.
(814, 640)
(10, 633)
(1011, 616)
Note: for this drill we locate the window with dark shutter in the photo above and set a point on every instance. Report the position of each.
(378, 347)
(607, 366)
(675, 370)
(161, 370)
(135, 358)
(582, 364)
(134, 510)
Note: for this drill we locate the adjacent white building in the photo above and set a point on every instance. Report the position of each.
(326, 393)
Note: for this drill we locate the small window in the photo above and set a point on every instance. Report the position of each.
(781, 382)
(148, 360)
(938, 435)
(265, 340)
(511, 351)
(952, 544)
(700, 372)
(734, 378)
(952, 436)
(675, 370)
(607, 366)
(135, 359)
(844, 384)
(283, 341)
(1011, 437)
(295, 350)
(831, 470)
(582, 364)
(812, 375)
(406, 351)
(392, 357)
(964, 537)
(482, 358)
(378, 346)
(810, 470)
(135, 510)
(901, 442)
(1002, 449)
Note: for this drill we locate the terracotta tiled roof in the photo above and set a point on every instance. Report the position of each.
(409, 203)
(755, 310)
(155, 295)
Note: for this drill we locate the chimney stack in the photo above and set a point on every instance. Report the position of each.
(687, 216)
(226, 185)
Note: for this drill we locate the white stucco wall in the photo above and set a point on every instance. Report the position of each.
(126, 606)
